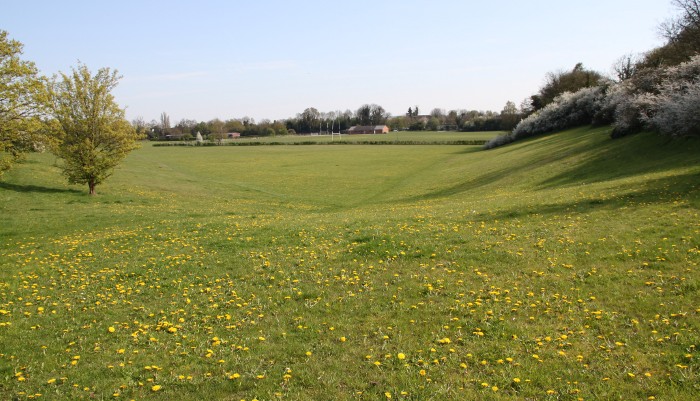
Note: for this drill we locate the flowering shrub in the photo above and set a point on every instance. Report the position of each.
(673, 108)
(566, 111)
(666, 100)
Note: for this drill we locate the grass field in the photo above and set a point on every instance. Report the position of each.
(560, 268)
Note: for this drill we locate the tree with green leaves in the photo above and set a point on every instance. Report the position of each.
(565, 81)
(93, 136)
(22, 102)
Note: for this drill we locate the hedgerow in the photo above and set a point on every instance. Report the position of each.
(665, 100)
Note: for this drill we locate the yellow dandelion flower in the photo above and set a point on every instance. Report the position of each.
(157, 387)
(401, 356)
(111, 329)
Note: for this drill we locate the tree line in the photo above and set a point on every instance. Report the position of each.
(313, 121)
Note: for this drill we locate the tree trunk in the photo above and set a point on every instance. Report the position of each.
(92, 186)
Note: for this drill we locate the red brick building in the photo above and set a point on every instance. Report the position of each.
(368, 129)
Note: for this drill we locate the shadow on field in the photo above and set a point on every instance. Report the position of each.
(36, 189)
(662, 190)
(615, 159)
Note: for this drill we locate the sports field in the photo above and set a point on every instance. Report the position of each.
(560, 268)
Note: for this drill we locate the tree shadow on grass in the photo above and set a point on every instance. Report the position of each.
(37, 189)
(662, 190)
(634, 156)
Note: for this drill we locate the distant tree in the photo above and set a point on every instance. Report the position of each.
(22, 101)
(364, 114)
(164, 123)
(247, 121)
(309, 120)
(234, 126)
(216, 126)
(141, 127)
(417, 125)
(93, 135)
(509, 116)
(437, 113)
(685, 28)
(202, 128)
(625, 67)
(217, 137)
(378, 115)
(187, 126)
(570, 81)
(279, 127)
(432, 124)
(410, 112)
(399, 122)
(415, 111)
(682, 33)
(526, 107)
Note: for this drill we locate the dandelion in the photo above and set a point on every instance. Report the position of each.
(401, 356)
(155, 388)
(111, 329)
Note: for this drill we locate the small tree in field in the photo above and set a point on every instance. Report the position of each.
(93, 136)
(21, 104)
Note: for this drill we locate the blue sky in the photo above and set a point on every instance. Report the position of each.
(272, 59)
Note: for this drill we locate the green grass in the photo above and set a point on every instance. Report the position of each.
(562, 267)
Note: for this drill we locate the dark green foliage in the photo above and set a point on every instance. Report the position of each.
(560, 82)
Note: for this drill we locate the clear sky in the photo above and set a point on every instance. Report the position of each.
(210, 59)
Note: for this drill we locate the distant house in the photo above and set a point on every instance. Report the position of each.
(234, 135)
(368, 129)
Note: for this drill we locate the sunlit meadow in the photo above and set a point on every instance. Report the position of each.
(559, 268)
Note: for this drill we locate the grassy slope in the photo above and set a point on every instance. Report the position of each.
(568, 262)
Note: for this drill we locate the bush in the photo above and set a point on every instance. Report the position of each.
(674, 108)
(566, 111)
